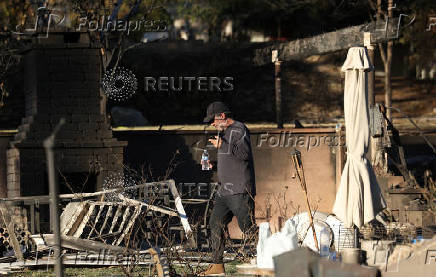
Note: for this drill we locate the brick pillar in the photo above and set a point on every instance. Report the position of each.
(13, 171)
(62, 80)
(4, 141)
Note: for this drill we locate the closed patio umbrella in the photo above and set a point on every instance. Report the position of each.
(358, 199)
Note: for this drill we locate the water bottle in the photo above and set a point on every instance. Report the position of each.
(205, 160)
(324, 248)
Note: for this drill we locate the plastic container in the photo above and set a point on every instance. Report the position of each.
(324, 243)
(205, 160)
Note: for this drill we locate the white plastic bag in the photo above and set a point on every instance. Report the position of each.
(270, 246)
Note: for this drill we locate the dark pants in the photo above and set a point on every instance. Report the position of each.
(225, 207)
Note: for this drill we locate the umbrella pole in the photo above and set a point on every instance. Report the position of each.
(356, 237)
(300, 173)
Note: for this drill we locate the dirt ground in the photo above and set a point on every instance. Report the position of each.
(415, 98)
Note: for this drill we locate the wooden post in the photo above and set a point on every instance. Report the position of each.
(37, 217)
(278, 88)
(371, 74)
(340, 155)
(373, 142)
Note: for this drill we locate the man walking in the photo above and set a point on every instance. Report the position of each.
(236, 190)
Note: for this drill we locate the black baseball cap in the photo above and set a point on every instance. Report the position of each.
(215, 108)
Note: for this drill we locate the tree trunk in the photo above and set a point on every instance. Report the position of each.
(388, 62)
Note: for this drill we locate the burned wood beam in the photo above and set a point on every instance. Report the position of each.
(73, 216)
(149, 206)
(120, 228)
(329, 42)
(129, 225)
(108, 215)
(115, 219)
(87, 220)
(96, 221)
(84, 222)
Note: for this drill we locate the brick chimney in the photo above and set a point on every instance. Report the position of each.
(62, 79)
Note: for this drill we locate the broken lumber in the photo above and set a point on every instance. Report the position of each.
(109, 222)
(10, 225)
(80, 195)
(182, 214)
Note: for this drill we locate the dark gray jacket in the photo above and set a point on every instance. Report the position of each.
(235, 161)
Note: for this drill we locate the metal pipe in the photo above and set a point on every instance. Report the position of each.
(54, 198)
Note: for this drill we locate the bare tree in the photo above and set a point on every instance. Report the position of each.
(386, 55)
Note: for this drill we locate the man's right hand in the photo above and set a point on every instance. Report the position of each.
(216, 141)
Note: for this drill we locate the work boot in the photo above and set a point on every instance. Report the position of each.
(213, 270)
